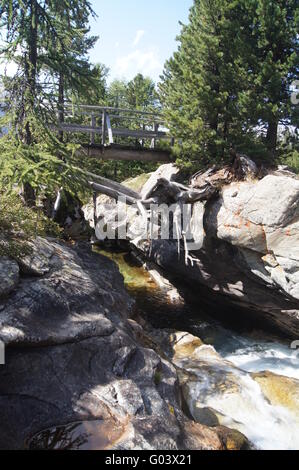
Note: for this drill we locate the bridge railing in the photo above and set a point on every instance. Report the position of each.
(106, 124)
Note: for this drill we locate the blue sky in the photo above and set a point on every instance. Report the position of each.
(137, 35)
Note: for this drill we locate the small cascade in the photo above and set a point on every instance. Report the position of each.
(223, 371)
(239, 403)
(259, 356)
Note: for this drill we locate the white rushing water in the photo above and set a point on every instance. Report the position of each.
(239, 400)
(259, 356)
(268, 427)
(229, 389)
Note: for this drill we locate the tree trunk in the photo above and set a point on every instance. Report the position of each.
(272, 136)
(61, 104)
(226, 127)
(29, 195)
(31, 71)
(31, 67)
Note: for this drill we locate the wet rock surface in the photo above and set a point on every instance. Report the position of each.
(279, 390)
(263, 406)
(73, 356)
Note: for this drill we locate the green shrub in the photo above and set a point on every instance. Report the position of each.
(18, 224)
(292, 160)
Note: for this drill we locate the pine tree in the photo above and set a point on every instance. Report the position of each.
(46, 39)
(49, 41)
(95, 91)
(141, 93)
(231, 76)
(276, 63)
(65, 59)
(117, 94)
(202, 80)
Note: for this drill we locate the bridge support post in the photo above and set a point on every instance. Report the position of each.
(156, 130)
(93, 125)
(104, 127)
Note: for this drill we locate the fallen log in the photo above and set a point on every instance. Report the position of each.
(113, 185)
(171, 192)
(113, 193)
(164, 191)
(161, 191)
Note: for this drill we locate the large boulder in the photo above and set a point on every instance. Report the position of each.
(77, 374)
(245, 245)
(262, 217)
(280, 391)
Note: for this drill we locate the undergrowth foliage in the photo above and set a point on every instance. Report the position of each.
(19, 224)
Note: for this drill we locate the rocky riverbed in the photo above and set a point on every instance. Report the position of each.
(245, 242)
(80, 373)
(84, 370)
(229, 374)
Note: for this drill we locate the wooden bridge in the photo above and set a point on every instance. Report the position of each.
(115, 133)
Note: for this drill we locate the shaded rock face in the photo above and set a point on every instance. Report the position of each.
(247, 241)
(9, 276)
(73, 356)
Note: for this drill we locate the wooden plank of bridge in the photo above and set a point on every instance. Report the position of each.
(121, 132)
(114, 152)
(140, 134)
(120, 153)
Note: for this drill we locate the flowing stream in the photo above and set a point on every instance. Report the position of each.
(266, 410)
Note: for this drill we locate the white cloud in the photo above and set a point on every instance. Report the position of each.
(145, 62)
(139, 34)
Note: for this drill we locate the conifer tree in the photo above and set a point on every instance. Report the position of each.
(65, 57)
(230, 76)
(141, 93)
(202, 80)
(46, 39)
(275, 26)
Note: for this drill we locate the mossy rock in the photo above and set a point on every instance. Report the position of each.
(233, 439)
(137, 183)
(206, 416)
(279, 390)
